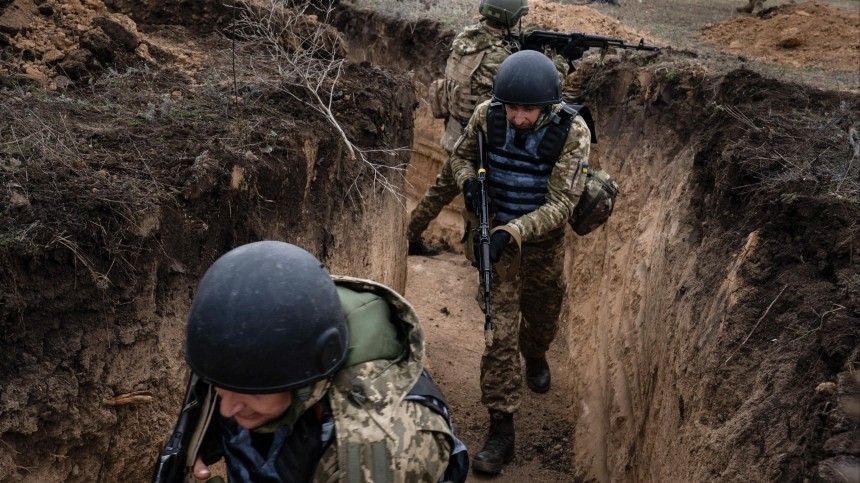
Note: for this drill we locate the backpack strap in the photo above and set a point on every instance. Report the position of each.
(556, 134)
(497, 124)
(428, 394)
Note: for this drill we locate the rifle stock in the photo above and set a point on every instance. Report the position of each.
(484, 264)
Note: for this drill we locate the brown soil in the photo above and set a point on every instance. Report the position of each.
(711, 331)
(809, 34)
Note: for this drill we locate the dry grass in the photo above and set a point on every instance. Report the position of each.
(826, 162)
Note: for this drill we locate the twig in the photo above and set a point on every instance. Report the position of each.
(307, 57)
(136, 397)
(756, 324)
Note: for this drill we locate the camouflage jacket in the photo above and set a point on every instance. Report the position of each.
(566, 181)
(476, 54)
(378, 433)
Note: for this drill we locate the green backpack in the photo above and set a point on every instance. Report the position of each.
(596, 203)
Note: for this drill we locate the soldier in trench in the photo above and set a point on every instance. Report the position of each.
(317, 377)
(538, 156)
(476, 54)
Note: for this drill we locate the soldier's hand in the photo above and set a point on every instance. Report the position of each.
(472, 195)
(201, 471)
(498, 242)
(572, 51)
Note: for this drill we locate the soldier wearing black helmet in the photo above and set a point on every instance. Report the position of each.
(538, 156)
(318, 378)
(476, 54)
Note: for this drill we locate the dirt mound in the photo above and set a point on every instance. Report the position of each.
(58, 42)
(803, 35)
(578, 18)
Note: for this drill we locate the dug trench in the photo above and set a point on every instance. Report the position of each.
(711, 325)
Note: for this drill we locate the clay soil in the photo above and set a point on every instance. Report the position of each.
(711, 330)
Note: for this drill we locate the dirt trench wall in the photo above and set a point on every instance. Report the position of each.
(420, 48)
(85, 321)
(684, 369)
(696, 328)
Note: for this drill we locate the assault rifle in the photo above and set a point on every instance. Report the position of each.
(176, 461)
(483, 255)
(543, 40)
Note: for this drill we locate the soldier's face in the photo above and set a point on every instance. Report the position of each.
(252, 410)
(522, 117)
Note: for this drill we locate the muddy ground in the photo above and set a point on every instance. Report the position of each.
(711, 331)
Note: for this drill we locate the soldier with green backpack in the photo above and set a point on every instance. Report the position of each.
(301, 376)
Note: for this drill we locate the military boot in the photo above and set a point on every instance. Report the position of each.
(537, 374)
(499, 448)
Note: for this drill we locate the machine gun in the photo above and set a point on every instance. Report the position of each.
(544, 41)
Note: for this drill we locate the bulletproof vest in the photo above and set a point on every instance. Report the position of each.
(467, 55)
(521, 164)
(458, 80)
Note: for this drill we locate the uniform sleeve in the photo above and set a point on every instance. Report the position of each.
(562, 66)
(465, 155)
(423, 456)
(566, 184)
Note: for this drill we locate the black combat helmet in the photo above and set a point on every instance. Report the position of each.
(527, 78)
(504, 12)
(266, 318)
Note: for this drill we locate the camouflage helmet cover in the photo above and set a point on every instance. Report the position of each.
(506, 12)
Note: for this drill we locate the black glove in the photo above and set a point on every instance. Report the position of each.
(472, 195)
(498, 241)
(572, 51)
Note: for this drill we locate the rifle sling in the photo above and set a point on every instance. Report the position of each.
(207, 408)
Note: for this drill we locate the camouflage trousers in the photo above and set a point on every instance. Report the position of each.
(431, 203)
(525, 314)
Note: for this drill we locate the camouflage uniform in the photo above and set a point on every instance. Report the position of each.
(380, 432)
(526, 309)
(476, 54)
(371, 415)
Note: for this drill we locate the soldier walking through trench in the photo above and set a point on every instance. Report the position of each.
(476, 54)
(538, 155)
(316, 378)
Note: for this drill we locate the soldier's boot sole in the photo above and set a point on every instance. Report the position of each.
(491, 467)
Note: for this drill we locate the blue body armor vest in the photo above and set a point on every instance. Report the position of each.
(520, 165)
